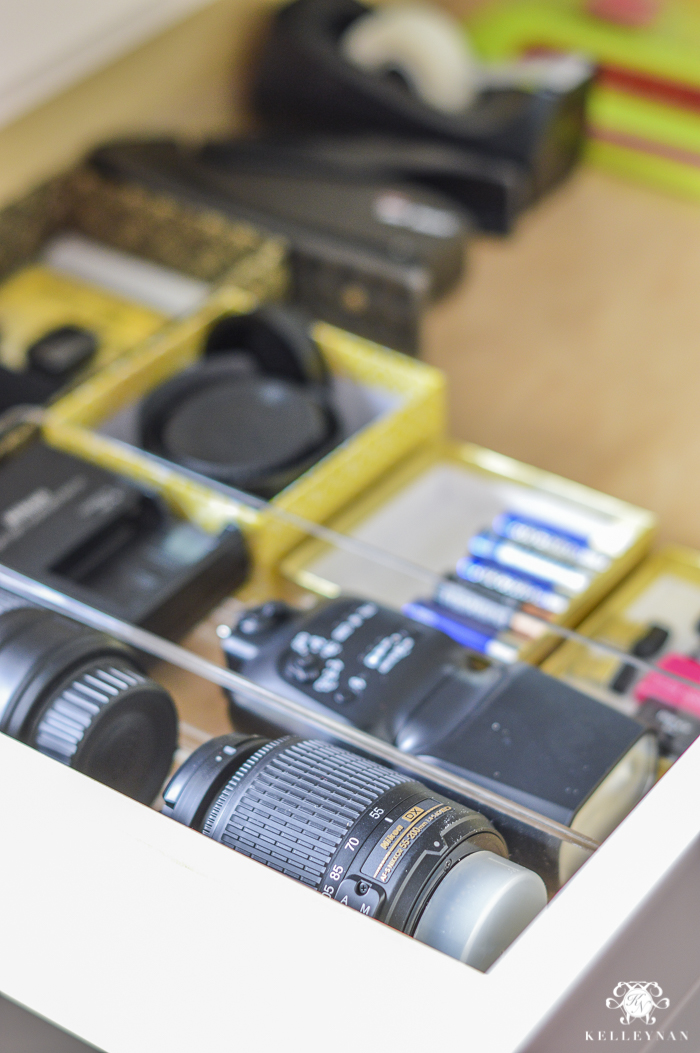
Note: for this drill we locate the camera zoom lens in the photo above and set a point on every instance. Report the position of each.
(79, 697)
(362, 834)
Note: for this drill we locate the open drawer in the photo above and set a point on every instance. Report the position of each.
(129, 922)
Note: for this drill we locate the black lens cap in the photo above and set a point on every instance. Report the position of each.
(250, 431)
(61, 351)
(276, 340)
(244, 427)
(78, 696)
(112, 723)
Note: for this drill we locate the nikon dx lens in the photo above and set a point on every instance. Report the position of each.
(361, 834)
(78, 696)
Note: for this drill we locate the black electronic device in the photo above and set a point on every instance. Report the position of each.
(97, 537)
(493, 191)
(52, 361)
(349, 266)
(305, 83)
(512, 729)
(79, 697)
(648, 646)
(363, 835)
(255, 412)
(676, 728)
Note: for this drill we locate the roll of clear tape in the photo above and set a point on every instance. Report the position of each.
(425, 45)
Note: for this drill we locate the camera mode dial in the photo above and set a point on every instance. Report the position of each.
(263, 619)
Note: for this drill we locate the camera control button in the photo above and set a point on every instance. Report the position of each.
(304, 668)
(359, 895)
(262, 619)
(343, 696)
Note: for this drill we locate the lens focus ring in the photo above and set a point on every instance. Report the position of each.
(297, 804)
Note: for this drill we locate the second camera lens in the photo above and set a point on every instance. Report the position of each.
(79, 697)
(361, 834)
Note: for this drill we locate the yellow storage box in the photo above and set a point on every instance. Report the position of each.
(425, 513)
(405, 402)
(663, 594)
(40, 295)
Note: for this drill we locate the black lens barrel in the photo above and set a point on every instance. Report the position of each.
(79, 696)
(346, 826)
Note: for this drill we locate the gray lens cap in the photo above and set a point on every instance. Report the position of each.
(481, 905)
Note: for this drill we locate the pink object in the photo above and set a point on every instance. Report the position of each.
(624, 12)
(660, 688)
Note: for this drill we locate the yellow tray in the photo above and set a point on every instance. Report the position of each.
(665, 590)
(36, 300)
(426, 510)
(416, 415)
(198, 242)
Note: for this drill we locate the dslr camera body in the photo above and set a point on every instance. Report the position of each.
(512, 729)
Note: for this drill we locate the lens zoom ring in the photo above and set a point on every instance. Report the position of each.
(297, 806)
(64, 723)
(231, 785)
